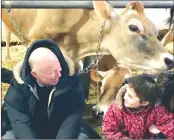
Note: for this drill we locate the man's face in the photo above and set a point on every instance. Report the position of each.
(49, 73)
(130, 98)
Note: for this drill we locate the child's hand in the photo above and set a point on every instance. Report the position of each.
(153, 129)
(119, 96)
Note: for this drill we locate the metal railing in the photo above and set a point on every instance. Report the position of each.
(79, 4)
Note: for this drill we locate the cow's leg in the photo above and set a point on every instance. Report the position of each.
(7, 39)
(85, 77)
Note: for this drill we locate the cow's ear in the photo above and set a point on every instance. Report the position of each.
(93, 76)
(103, 74)
(104, 9)
(136, 5)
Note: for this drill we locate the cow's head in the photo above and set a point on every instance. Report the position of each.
(132, 38)
(110, 83)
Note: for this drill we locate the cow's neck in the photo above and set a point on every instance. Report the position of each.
(78, 53)
(84, 42)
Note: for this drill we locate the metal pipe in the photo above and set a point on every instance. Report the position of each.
(79, 4)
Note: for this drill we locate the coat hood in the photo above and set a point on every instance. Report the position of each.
(119, 100)
(22, 69)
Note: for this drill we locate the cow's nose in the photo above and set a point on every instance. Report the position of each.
(169, 62)
(96, 113)
(100, 114)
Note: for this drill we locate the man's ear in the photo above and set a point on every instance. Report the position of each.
(34, 74)
(145, 103)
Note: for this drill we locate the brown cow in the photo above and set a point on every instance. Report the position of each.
(110, 83)
(168, 41)
(108, 62)
(130, 37)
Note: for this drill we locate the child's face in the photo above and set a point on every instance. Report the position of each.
(130, 98)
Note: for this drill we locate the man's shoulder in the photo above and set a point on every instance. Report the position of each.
(16, 97)
(15, 92)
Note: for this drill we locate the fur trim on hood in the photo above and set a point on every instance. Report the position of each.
(119, 97)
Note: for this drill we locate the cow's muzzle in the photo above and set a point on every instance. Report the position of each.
(96, 113)
(169, 63)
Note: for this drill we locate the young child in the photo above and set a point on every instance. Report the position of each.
(138, 113)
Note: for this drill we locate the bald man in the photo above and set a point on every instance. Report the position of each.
(45, 67)
(46, 99)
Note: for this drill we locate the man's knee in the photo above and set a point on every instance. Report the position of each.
(82, 136)
(9, 135)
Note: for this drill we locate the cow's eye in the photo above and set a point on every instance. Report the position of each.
(134, 28)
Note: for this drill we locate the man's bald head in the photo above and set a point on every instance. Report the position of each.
(39, 56)
(45, 66)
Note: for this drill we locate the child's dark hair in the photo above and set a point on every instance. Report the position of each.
(145, 88)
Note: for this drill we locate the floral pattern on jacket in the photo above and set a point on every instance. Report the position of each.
(121, 122)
